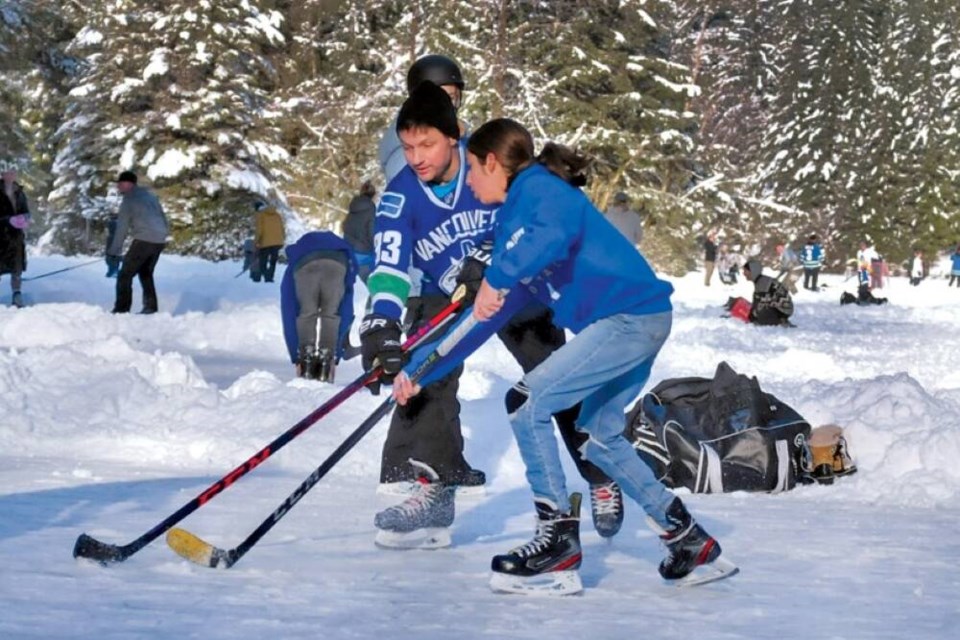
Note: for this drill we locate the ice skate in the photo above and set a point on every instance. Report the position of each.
(307, 363)
(606, 508)
(325, 366)
(549, 564)
(421, 521)
(693, 555)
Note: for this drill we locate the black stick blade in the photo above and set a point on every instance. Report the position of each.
(92, 549)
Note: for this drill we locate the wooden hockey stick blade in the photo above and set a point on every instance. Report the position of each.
(195, 549)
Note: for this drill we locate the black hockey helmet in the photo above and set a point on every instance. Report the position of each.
(439, 70)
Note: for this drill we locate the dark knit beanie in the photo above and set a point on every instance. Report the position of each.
(429, 106)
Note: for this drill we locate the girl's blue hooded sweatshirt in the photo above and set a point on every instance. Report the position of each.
(550, 228)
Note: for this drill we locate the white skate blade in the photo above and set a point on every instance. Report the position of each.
(397, 489)
(431, 538)
(474, 492)
(719, 569)
(553, 583)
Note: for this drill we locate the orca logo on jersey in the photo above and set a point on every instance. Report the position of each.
(391, 204)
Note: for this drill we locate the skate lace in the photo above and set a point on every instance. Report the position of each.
(603, 499)
(422, 496)
(541, 540)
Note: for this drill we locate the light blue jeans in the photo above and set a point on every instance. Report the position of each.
(605, 366)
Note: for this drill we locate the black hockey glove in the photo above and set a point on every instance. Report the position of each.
(380, 343)
(474, 265)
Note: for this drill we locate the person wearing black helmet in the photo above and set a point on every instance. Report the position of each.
(441, 71)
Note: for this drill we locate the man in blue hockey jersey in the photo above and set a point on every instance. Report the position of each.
(428, 218)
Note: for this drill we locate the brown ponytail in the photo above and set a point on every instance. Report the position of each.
(565, 162)
(512, 145)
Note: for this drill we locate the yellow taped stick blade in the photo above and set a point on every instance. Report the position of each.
(189, 546)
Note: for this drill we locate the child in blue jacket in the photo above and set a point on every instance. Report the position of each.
(550, 238)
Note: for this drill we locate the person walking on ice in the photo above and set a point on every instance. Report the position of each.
(602, 288)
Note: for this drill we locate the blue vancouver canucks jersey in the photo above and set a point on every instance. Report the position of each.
(416, 227)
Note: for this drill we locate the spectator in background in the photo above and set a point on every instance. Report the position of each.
(789, 265)
(113, 262)
(626, 220)
(317, 287)
(812, 257)
(955, 267)
(916, 267)
(869, 259)
(14, 219)
(358, 228)
(143, 218)
(728, 264)
(709, 256)
(268, 237)
(865, 255)
(772, 305)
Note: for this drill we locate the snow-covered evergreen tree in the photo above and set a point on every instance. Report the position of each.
(178, 92)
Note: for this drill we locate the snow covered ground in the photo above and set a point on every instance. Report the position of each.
(110, 423)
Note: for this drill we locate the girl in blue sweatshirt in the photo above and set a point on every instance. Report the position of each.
(550, 237)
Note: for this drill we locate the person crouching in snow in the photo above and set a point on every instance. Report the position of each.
(601, 287)
(864, 290)
(772, 304)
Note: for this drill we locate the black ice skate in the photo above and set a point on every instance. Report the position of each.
(606, 507)
(421, 521)
(693, 555)
(549, 564)
(307, 363)
(325, 366)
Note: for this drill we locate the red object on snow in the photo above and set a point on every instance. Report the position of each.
(741, 310)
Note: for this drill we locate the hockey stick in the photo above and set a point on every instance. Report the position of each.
(104, 553)
(53, 273)
(197, 550)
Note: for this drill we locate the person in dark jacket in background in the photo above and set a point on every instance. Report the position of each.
(142, 217)
(358, 228)
(772, 304)
(317, 287)
(14, 219)
(709, 257)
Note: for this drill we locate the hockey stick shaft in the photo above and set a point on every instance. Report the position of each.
(89, 547)
(52, 273)
(196, 550)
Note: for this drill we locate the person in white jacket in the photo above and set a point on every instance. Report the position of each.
(916, 267)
